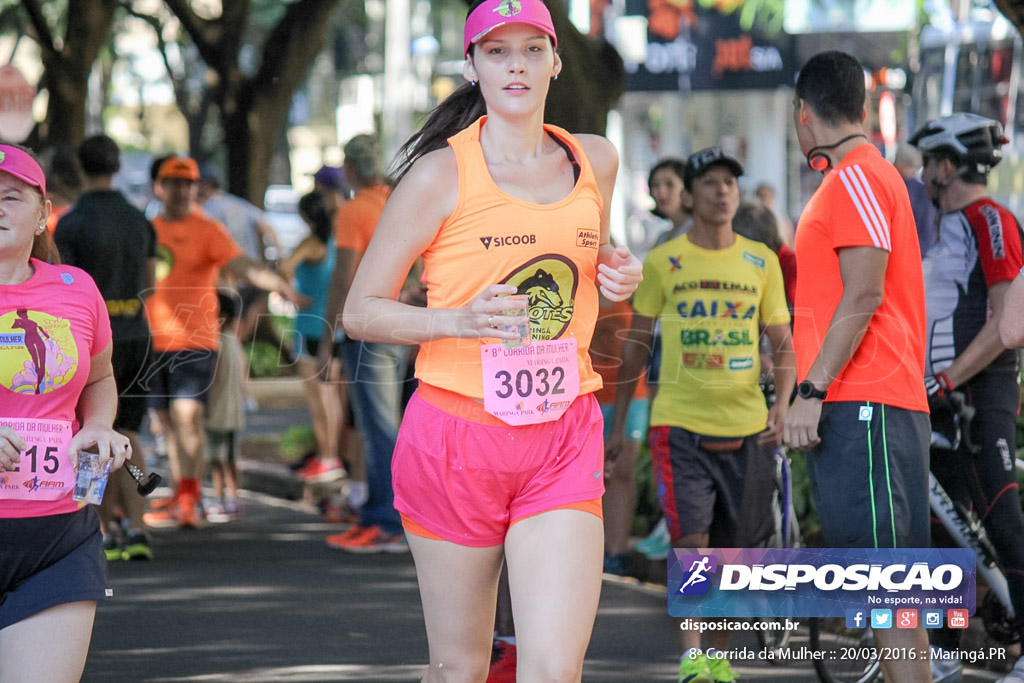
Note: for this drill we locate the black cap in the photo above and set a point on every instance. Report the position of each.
(698, 163)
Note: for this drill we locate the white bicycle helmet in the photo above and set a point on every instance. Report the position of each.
(972, 139)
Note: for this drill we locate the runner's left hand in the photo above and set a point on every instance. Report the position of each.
(620, 275)
(110, 445)
(801, 431)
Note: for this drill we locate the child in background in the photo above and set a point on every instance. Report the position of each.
(225, 415)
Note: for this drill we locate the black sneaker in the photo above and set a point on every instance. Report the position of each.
(111, 547)
(137, 547)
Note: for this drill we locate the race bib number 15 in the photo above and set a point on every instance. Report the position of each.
(45, 471)
(531, 384)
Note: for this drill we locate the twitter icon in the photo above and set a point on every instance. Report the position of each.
(881, 618)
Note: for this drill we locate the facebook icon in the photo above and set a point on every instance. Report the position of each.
(855, 618)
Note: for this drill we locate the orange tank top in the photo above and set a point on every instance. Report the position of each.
(548, 251)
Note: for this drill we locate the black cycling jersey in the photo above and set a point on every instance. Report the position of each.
(979, 246)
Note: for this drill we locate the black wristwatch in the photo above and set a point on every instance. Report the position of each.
(807, 390)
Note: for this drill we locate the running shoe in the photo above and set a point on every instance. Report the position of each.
(336, 540)
(503, 663)
(320, 471)
(216, 513)
(1016, 674)
(189, 514)
(137, 547)
(163, 503)
(340, 513)
(111, 547)
(617, 565)
(232, 509)
(375, 541)
(945, 667)
(693, 668)
(721, 670)
(164, 515)
(657, 544)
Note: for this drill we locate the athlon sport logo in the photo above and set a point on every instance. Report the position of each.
(697, 580)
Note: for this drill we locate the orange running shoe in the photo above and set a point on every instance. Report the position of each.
(188, 511)
(375, 541)
(336, 540)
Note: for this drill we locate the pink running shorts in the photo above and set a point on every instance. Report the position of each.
(465, 476)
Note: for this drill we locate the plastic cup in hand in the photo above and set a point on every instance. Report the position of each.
(522, 329)
(91, 481)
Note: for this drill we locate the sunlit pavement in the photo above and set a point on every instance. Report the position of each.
(262, 599)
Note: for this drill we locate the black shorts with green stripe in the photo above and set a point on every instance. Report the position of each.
(869, 476)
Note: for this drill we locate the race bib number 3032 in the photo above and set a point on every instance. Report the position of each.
(45, 471)
(530, 384)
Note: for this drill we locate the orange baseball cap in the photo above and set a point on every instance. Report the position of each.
(182, 168)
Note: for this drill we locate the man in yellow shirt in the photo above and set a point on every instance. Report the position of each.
(712, 436)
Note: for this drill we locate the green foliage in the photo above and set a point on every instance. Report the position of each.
(296, 442)
(264, 360)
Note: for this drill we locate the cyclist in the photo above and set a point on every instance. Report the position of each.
(712, 436)
(967, 274)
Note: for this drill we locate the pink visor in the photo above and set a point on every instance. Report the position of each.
(22, 166)
(491, 14)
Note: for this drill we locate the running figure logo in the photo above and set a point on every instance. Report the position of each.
(38, 353)
(697, 581)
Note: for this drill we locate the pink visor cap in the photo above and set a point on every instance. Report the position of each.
(22, 166)
(491, 14)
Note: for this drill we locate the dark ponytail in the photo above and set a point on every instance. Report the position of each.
(455, 113)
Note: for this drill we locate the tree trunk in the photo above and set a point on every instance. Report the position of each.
(1014, 11)
(67, 69)
(253, 109)
(593, 78)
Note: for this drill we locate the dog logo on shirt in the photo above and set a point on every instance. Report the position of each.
(550, 281)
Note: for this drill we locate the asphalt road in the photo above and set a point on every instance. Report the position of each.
(263, 599)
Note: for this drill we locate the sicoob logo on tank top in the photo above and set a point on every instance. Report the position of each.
(550, 281)
(37, 352)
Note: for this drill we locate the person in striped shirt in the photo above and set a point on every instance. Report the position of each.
(861, 411)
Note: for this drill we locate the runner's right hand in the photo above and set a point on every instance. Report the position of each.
(481, 319)
(11, 447)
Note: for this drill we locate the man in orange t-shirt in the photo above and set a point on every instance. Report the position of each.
(183, 316)
(375, 371)
(859, 337)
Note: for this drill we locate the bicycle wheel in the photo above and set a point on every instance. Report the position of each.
(774, 642)
(848, 653)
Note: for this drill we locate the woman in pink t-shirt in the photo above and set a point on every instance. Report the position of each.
(57, 397)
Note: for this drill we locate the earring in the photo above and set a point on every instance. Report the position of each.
(472, 84)
(555, 77)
